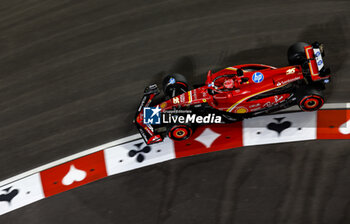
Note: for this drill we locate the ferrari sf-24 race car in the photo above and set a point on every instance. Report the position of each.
(233, 94)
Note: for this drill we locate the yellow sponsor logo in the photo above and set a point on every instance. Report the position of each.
(241, 110)
(190, 97)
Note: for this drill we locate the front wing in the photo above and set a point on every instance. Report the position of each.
(147, 130)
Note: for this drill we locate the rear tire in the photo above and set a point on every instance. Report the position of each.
(174, 85)
(296, 53)
(180, 132)
(310, 100)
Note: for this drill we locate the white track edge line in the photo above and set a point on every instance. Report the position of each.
(335, 106)
(69, 158)
(121, 141)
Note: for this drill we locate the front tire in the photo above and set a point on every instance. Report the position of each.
(174, 85)
(179, 132)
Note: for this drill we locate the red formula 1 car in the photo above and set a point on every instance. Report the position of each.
(232, 94)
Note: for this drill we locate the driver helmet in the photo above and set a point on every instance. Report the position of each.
(229, 84)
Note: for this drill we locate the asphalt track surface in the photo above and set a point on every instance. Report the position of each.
(72, 74)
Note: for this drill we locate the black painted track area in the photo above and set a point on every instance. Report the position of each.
(72, 74)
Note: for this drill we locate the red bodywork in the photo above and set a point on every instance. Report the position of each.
(237, 100)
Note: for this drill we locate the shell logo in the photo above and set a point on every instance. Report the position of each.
(241, 110)
(163, 105)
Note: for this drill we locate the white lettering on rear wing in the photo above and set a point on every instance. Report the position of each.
(318, 58)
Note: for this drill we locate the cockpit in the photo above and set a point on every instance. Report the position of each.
(227, 82)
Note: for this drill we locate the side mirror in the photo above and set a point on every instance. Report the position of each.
(240, 72)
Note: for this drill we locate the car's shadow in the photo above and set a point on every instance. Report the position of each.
(331, 33)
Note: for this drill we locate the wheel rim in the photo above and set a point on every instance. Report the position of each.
(311, 103)
(180, 132)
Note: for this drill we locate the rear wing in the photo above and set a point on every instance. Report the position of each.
(314, 55)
